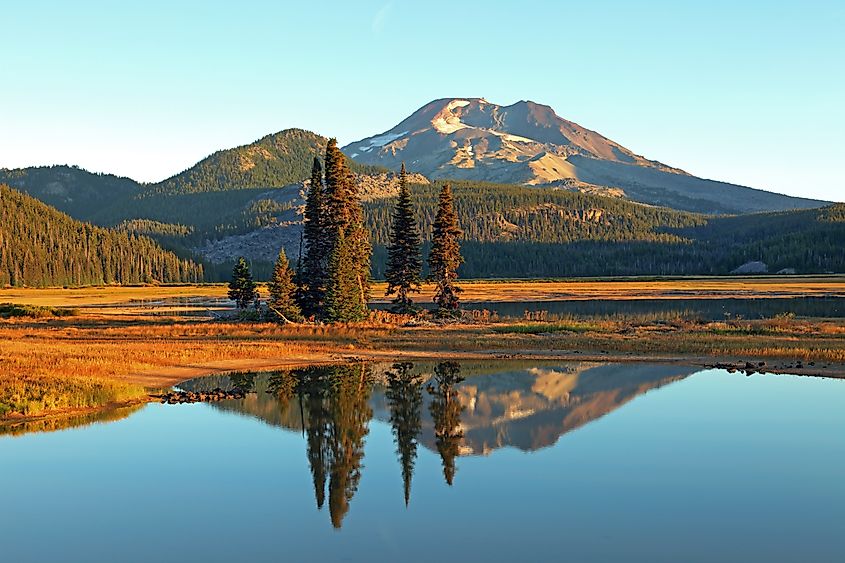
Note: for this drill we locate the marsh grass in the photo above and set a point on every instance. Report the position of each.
(53, 362)
(10, 310)
(33, 394)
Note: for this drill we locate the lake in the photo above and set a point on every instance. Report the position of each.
(497, 461)
(711, 309)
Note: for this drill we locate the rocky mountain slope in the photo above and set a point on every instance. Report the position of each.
(528, 143)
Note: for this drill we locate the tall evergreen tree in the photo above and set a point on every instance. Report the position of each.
(314, 268)
(445, 255)
(282, 291)
(242, 288)
(342, 206)
(343, 296)
(403, 253)
(349, 265)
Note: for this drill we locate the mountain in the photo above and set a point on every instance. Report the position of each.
(276, 160)
(528, 143)
(248, 201)
(41, 246)
(510, 231)
(77, 192)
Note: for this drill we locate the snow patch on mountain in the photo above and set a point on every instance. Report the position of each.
(381, 140)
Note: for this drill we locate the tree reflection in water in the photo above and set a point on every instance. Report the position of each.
(336, 415)
(404, 397)
(446, 411)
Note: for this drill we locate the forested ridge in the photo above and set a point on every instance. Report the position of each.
(509, 230)
(40, 246)
(275, 160)
(516, 231)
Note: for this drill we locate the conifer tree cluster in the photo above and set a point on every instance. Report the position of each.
(334, 276)
(332, 281)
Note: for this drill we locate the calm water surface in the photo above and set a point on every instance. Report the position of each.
(473, 462)
(704, 309)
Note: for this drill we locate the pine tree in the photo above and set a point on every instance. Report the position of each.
(445, 255)
(313, 272)
(342, 206)
(403, 253)
(343, 296)
(242, 288)
(349, 266)
(282, 291)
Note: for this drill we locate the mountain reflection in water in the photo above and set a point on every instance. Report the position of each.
(450, 410)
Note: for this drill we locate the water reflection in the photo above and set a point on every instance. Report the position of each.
(404, 396)
(55, 424)
(450, 409)
(446, 411)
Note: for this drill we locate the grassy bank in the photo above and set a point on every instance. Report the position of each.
(107, 355)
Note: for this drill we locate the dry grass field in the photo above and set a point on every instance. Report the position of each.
(112, 351)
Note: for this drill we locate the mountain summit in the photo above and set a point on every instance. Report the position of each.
(528, 143)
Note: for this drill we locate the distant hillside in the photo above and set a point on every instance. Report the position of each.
(273, 161)
(515, 231)
(40, 246)
(77, 192)
(518, 231)
(528, 143)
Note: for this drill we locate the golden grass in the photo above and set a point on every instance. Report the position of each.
(478, 290)
(94, 358)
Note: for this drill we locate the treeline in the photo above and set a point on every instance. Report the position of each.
(40, 246)
(513, 231)
(499, 212)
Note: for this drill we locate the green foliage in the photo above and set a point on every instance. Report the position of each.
(348, 280)
(242, 288)
(404, 261)
(275, 160)
(282, 291)
(523, 232)
(8, 310)
(445, 255)
(40, 246)
(345, 300)
(70, 189)
(313, 272)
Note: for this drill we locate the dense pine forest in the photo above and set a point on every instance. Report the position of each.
(40, 246)
(509, 230)
(516, 231)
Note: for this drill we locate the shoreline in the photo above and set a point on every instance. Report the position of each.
(171, 377)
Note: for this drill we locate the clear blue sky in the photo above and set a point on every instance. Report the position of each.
(750, 92)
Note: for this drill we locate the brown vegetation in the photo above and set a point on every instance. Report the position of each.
(109, 356)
